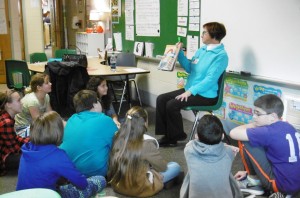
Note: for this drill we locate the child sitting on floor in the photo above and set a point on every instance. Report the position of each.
(43, 163)
(270, 150)
(136, 168)
(10, 142)
(209, 163)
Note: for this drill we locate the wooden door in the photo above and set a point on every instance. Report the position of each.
(5, 39)
(57, 24)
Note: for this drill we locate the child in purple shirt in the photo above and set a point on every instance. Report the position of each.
(270, 150)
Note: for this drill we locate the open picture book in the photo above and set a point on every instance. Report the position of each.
(168, 61)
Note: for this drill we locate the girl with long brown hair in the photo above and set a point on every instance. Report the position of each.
(136, 167)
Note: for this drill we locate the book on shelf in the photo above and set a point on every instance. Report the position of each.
(168, 61)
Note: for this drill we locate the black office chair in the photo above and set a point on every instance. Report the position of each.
(17, 74)
(197, 109)
(128, 60)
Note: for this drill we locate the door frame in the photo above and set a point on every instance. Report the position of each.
(5, 44)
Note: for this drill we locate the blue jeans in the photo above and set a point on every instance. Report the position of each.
(173, 170)
(95, 184)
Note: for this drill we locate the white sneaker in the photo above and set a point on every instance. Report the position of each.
(277, 195)
(246, 186)
(254, 182)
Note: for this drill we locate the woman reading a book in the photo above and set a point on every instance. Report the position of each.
(204, 70)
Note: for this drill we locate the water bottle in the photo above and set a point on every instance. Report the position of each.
(113, 61)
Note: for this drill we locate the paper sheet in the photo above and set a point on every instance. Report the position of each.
(194, 4)
(182, 21)
(194, 27)
(195, 12)
(109, 45)
(118, 41)
(182, 9)
(147, 12)
(134, 70)
(147, 15)
(149, 49)
(129, 19)
(181, 31)
(192, 46)
(194, 19)
(129, 32)
(129, 5)
(148, 29)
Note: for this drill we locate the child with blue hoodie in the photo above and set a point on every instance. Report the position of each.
(43, 163)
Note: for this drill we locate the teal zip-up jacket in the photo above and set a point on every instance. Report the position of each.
(204, 70)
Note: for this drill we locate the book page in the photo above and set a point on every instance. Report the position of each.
(169, 59)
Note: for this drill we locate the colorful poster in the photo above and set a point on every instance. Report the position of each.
(221, 111)
(239, 113)
(181, 79)
(236, 88)
(259, 90)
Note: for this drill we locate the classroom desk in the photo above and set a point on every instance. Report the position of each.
(95, 68)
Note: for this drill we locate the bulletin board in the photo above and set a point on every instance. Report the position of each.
(168, 29)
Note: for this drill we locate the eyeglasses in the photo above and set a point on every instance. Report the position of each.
(257, 113)
(204, 32)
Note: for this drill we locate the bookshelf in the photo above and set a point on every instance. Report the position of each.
(88, 43)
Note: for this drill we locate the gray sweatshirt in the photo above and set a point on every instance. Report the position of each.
(209, 170)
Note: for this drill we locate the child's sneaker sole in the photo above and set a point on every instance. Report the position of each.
(253, 190)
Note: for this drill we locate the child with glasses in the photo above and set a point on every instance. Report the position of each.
(43, 163)
(270, 150)
(136, 168)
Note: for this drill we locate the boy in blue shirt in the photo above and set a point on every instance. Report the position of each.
(270, 150)
(88, 135)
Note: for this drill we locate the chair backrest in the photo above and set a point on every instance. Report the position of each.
(220, 98)
(126, 59)
(38, 57)
(59, 53)
(220, 91)
(16, 66)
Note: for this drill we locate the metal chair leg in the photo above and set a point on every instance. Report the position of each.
(194, 126)
(137, 92)
(110, 85)
(123, 94)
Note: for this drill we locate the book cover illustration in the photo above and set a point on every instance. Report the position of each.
(168, 61)
(181, 79)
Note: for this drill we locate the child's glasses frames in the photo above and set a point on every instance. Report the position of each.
(257, 113)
